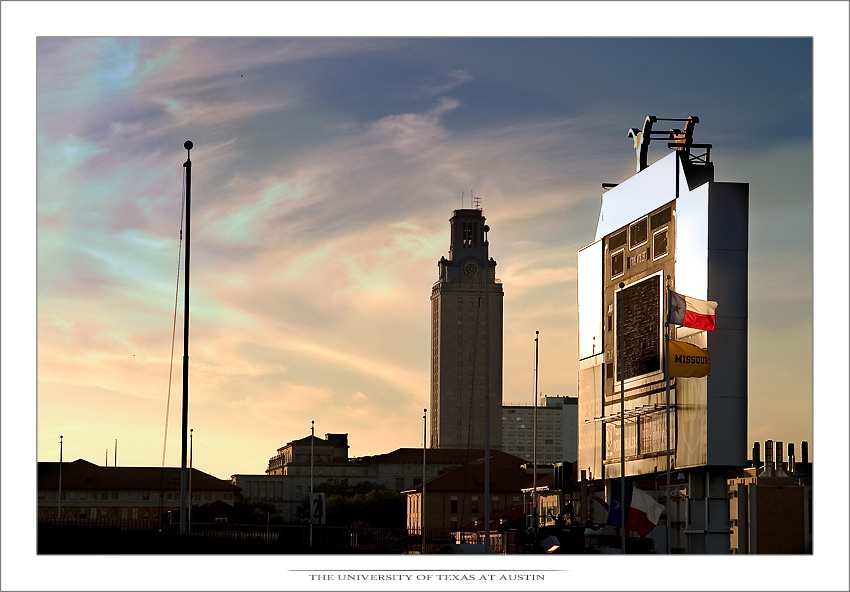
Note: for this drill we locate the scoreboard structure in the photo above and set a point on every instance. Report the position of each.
(670, 225)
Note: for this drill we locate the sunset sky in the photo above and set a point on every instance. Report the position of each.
(325, 171)
(324, 174)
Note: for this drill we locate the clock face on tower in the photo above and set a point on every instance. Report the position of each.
(470, 268)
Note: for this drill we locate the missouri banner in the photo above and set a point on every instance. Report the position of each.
(688, 360)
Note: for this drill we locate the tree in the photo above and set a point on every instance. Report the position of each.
(363, 504)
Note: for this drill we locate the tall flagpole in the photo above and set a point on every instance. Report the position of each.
(486, 277)
(667, 397)
(59, 499)
(622, 365)
(185, 443)
(534, 508)
(189, 513)
(309, 505)
(424, 444)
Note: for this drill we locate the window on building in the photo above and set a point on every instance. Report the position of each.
(617, 264)
(146, 495)
(453, 507)
(638, 233)
(399, 483)
(659, 218)
(617, 240)
(474, 505)
(659, 244)
(135, 513)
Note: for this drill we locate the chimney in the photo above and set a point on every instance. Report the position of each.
(804, 452)
(780, 468)
(768, 458)
(791, 458)
(756, 454)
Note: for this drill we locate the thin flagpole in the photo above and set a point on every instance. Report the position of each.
(59, 500)
(424, 444)
(622, 417)
(185, 440)
(667, 396)
(534, 509)
(191, 448)
(312, 437)
(486, 278)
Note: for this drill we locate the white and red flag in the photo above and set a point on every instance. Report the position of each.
(690, 312)
(644, 512)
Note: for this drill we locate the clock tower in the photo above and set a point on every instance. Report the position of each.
(466, 339)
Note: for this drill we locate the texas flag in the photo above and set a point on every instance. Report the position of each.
(644, 512)
(690, 312)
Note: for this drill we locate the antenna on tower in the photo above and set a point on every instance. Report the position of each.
(476, 200)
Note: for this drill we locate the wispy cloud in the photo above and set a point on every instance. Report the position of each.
(324, 175)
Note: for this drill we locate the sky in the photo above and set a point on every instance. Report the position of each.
(325, 169)
(324, 172)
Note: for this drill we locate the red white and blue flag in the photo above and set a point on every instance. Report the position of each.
(690, 312)
(644, 512)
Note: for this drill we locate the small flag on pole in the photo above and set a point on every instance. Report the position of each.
(690, 312)
(687, 360)
(644, 512)
(616, 507)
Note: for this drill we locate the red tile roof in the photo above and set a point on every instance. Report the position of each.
(504, 478)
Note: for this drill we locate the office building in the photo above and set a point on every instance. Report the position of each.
(557, 430)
